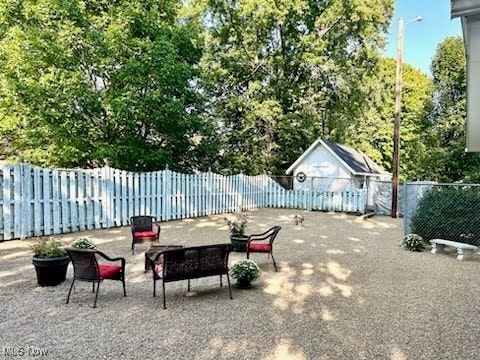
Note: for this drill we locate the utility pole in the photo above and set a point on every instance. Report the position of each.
(398, 110)
(396, 124)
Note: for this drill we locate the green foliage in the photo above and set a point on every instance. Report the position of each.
(373, 132)
(84, 243)
(446, 159)
(282, 73)
(245, 270)
(448, 213)
(84, 81)
(47, 249)
(237, 225)
(413, 242)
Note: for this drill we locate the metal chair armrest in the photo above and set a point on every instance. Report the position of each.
(106, 257)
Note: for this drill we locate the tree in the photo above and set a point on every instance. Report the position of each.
(86, 80)
(447, 160)
(373, 130)
(281, 73)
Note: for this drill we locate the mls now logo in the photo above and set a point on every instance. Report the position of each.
(10, 351)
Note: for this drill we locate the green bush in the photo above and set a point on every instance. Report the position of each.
(451, 213)
(47, 249)
(413, 242)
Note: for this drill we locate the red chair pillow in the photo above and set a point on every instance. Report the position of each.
(159, 270)
(109, 271)
(259, 247)
(145, 234)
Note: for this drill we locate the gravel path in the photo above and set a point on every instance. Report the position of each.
(344, 290)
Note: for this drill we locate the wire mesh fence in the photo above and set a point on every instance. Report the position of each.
(443, 211)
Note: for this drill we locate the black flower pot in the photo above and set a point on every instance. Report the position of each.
(52, 271)
(239, 243)
(244, 284)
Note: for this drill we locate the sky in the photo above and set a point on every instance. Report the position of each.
(421, 38)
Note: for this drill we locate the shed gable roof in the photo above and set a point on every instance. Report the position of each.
(355, 160)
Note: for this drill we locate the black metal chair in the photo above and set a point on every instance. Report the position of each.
(143, 230)
(87, 268)
(263, 243)
(191, 263)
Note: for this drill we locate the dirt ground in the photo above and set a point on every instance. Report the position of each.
(344, 290)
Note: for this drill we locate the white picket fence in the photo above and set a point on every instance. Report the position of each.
(36, 201)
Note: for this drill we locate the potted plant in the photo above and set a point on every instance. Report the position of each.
(84, 243)
(50, 261)
(237, 226)
(245, 271)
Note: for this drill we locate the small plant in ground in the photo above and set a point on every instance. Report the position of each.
(413, 242)
(47, 249)
(245, 271)
(84, 243)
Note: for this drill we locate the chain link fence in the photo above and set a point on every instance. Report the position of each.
(443, 211)
(434, 211)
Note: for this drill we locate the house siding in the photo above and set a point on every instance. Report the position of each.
(320, 163)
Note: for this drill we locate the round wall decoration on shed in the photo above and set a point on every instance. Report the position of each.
(301, 177)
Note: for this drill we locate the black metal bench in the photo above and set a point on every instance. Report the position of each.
(190, 263)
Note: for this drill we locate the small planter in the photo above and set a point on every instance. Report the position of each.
(244, 272)
(239, 243)
(51, 271)
(244, 284)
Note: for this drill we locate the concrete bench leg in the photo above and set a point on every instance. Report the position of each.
(437, 248)
(464, 254)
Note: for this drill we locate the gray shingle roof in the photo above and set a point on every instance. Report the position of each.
(355, 159)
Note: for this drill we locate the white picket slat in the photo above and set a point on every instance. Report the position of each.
(7, 203)
(73, 202)
(81, 200)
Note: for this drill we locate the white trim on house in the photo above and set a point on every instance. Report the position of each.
(335, 155)
(303, 156)
(469, 13)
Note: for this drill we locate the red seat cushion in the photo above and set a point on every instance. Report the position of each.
(159, 270)
(145, 234)
(109, 271)
(259, 247)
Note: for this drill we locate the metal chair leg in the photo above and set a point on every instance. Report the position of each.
(164, 302)
(93, 287)
(154, 287)
(70, 291)
(123, 283)
(274, 263)
(96, 295)
(229, 287)
(221, 282)
(188, 281)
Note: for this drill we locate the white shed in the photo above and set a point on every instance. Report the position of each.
(326, 165)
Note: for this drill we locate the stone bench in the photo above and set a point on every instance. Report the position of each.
(464, 251)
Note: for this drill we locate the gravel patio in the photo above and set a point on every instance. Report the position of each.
(344, 290)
